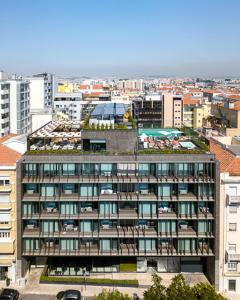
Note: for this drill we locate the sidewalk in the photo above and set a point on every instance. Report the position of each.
(33, 286)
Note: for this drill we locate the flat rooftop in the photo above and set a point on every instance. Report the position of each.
(59, 137)
(115, 109)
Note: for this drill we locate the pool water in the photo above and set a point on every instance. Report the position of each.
(160, 132)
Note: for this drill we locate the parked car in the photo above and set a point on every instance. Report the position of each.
(69, 295)
(9, 294)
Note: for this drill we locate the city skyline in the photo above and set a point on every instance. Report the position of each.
(121, 38)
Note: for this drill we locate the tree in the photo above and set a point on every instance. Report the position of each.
(112, 295)
(157, 291)
(93, 126)
(205, 291)
(179, 290)
(102, 126)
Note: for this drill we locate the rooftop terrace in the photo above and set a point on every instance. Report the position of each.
(70, 137)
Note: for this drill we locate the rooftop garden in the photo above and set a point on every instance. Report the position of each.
(127, 123)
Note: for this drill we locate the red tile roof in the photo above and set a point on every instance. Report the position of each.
(8, 156)
(7, 137)
(228, 161)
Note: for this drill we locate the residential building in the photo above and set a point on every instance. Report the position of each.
(40, 117)
(108, 114)
(4, 108)
(95, 211)
(69, 104)
(19, 117)
(8, 210)
(158, 110)
(226, 116)
(228, 269)
(41, 91)
(130, 84)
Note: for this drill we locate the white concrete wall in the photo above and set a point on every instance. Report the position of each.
(228, 237)
(39, 120)
(37, 93)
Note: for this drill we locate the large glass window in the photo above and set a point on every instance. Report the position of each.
(163, 169)
(88, 190)
(69, 244)
(31, 244)
(106, 208)
(50, 226)
(143, 169)
(68, 169)
(167, 226)
(68, 208)
(49, 190)
(147, 208)
(147, 244)
(106, 169)
(86, 226)
(31, 169)
(164, 190)
(105, 244)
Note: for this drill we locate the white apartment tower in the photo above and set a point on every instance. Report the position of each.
(41, 91)
(229, 217)
(4, 108)
(15, 106)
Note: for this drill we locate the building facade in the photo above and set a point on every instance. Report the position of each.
(8, 216)
(20, 120)
(41, 91)
(229, 216)
(69, 104)
(4, 108)
(98, 211)
(158, 110)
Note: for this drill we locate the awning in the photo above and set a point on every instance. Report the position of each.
(97, 141)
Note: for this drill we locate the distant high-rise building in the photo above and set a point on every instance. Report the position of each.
(158, 110)
(15, 106)
(127, 84)
(41, 91)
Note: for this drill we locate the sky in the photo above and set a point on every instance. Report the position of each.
(121, 37)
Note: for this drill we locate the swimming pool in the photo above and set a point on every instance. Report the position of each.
(160, 132)
(188, 145)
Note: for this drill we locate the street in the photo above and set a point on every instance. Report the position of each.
(43, 297)
(37, 297)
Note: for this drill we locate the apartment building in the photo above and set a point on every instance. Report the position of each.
(130, 84)
(158, 110)
(41, 91)
(229, 216)
(4, 108)
(96, 211)
(8, 217)
(20, 121)
(69, 104)
(226, 115)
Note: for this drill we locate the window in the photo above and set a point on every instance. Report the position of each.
(232, 209)
(232, 248)
(232, 267)
(232, 226)
(4, 234)
(4, 181)
(232, 285)
(4, 198)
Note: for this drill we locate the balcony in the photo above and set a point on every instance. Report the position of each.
(7, 246)
(233, 200)
(128, 213)
(6, 188)
(232, 257)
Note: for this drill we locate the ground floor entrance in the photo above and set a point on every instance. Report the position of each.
(85, 266)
